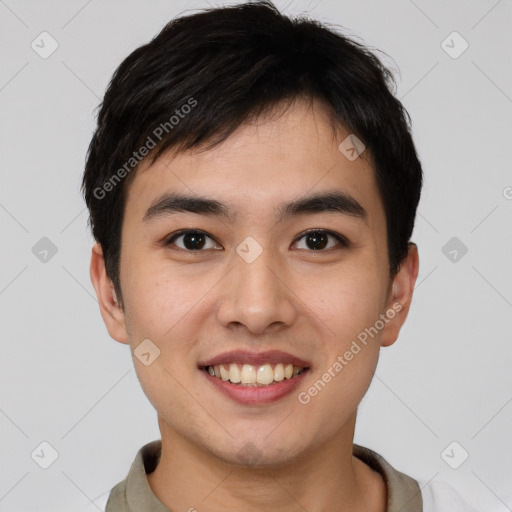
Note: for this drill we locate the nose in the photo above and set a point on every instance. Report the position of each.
(256, 295)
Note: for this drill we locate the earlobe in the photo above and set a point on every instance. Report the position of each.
(400, 298)
(110, 310)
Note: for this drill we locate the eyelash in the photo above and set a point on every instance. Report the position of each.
(343, 241)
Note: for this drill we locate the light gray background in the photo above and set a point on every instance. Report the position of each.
(63, 380)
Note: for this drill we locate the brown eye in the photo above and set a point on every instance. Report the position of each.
(318, 240)
(192, 240)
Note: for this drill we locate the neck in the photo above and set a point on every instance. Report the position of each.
(328, 478)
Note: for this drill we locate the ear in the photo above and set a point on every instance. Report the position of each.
(400, 296)
(111, 312)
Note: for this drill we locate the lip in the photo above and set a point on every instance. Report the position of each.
(255, 395)
(255, 358)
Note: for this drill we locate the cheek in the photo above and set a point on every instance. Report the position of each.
(347, 302)
(161, 310)
(162, 307)
(160, 302)
(336, 390)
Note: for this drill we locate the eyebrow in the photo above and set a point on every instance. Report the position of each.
(335, 201)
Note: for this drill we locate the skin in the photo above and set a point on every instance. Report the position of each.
(195, 305)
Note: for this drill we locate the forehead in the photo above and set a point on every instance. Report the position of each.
(261, 164)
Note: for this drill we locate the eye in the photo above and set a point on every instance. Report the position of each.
(318, 239)
(192, 239)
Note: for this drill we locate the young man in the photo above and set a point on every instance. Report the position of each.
(252, 187)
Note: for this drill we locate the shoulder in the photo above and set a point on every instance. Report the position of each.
(439, 496)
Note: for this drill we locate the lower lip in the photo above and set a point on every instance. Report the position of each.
(256, 395)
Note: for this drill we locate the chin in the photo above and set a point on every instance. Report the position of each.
(259, 451)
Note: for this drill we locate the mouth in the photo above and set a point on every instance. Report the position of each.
(250, 375)
(250, 378)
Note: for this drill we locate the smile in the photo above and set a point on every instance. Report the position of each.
(254, 378)
(244, 374)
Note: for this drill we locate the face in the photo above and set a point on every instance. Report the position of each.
(258, 288)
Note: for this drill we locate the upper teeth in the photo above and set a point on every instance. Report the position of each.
(252, 374)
